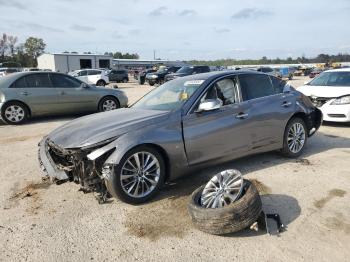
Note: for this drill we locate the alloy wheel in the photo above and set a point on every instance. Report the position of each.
(296, 137)
(109, 105)
(140, 174)
(223, 189)
(14, 113)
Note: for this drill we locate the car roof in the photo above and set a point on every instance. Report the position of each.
(339, 70)
(6, 81)
(218, 74)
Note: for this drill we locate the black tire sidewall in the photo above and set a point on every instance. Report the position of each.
(25, 109)
(101, 83)
(114, 184)
(229, 219)
(286, 151)
(100, 104)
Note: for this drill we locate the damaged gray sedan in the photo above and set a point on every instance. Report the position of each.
(184, 124)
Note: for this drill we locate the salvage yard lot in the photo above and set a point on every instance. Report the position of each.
(43, 222)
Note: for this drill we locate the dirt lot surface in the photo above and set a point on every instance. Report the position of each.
(44, 222)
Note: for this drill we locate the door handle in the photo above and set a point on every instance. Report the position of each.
(241, 115)
(286, 104)
(24, 93)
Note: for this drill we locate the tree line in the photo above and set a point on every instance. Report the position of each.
(14, 54)
(119, 55)
(321, 58)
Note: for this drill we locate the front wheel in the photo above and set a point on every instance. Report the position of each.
(295, 137)
(14, 113)
(108, 103)
(138, 176)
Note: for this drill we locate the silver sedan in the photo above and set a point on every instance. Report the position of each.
(28, 94)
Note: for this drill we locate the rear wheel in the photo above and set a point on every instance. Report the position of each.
(138, 176)
(108, 103)
(101, 83)
(14, 113)
(295, 137)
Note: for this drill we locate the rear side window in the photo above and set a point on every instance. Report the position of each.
(64, 81)
(19, 83)
(278, 84)
(38, 80)
(255, 86)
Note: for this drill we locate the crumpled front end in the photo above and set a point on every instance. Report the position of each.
(61, 165)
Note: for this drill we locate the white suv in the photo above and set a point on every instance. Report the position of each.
(97, 77)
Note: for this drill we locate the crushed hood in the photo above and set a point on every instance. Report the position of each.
(324, 91)
(95, 128)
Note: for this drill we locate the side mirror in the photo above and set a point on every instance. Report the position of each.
(84, 85)
(209, 105)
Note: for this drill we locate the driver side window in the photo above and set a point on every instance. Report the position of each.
(225, 90)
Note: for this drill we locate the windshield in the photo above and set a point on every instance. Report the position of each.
(332, 79)
(185, 70)
(169, 96)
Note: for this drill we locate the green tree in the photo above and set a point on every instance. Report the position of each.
(33, 48)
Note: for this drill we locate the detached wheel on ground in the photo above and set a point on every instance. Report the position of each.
(228, 219)
(14, 113)
(108, 103)
(101, 83)
(138, 176)
(295, 138)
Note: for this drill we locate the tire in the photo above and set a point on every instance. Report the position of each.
(108, 103)
(114, 183)
(101, 83)
(229, 219)
(19, 115)
(151, 83)
(286, 150)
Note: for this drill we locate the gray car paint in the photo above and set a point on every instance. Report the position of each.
(54, 100)
(188, 139)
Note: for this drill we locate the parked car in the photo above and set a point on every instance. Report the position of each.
(120, 75)
(187, 70)
(98, 77)
(189, 122)
(29, 94)
(158, 77)
(8, 70)
(315, 72)
(141, 76)
(330, 92)
(270, 71)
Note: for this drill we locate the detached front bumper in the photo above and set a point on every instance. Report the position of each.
(47, 164)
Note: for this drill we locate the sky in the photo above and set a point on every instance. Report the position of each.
(183, 29)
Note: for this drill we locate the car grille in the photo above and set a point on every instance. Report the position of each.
(319, 101)
(337, 115)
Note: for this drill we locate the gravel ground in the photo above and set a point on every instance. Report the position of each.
(43, 222)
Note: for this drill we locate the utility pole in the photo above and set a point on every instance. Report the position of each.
(154, 54)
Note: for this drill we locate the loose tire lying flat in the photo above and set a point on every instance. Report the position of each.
(232, 218)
